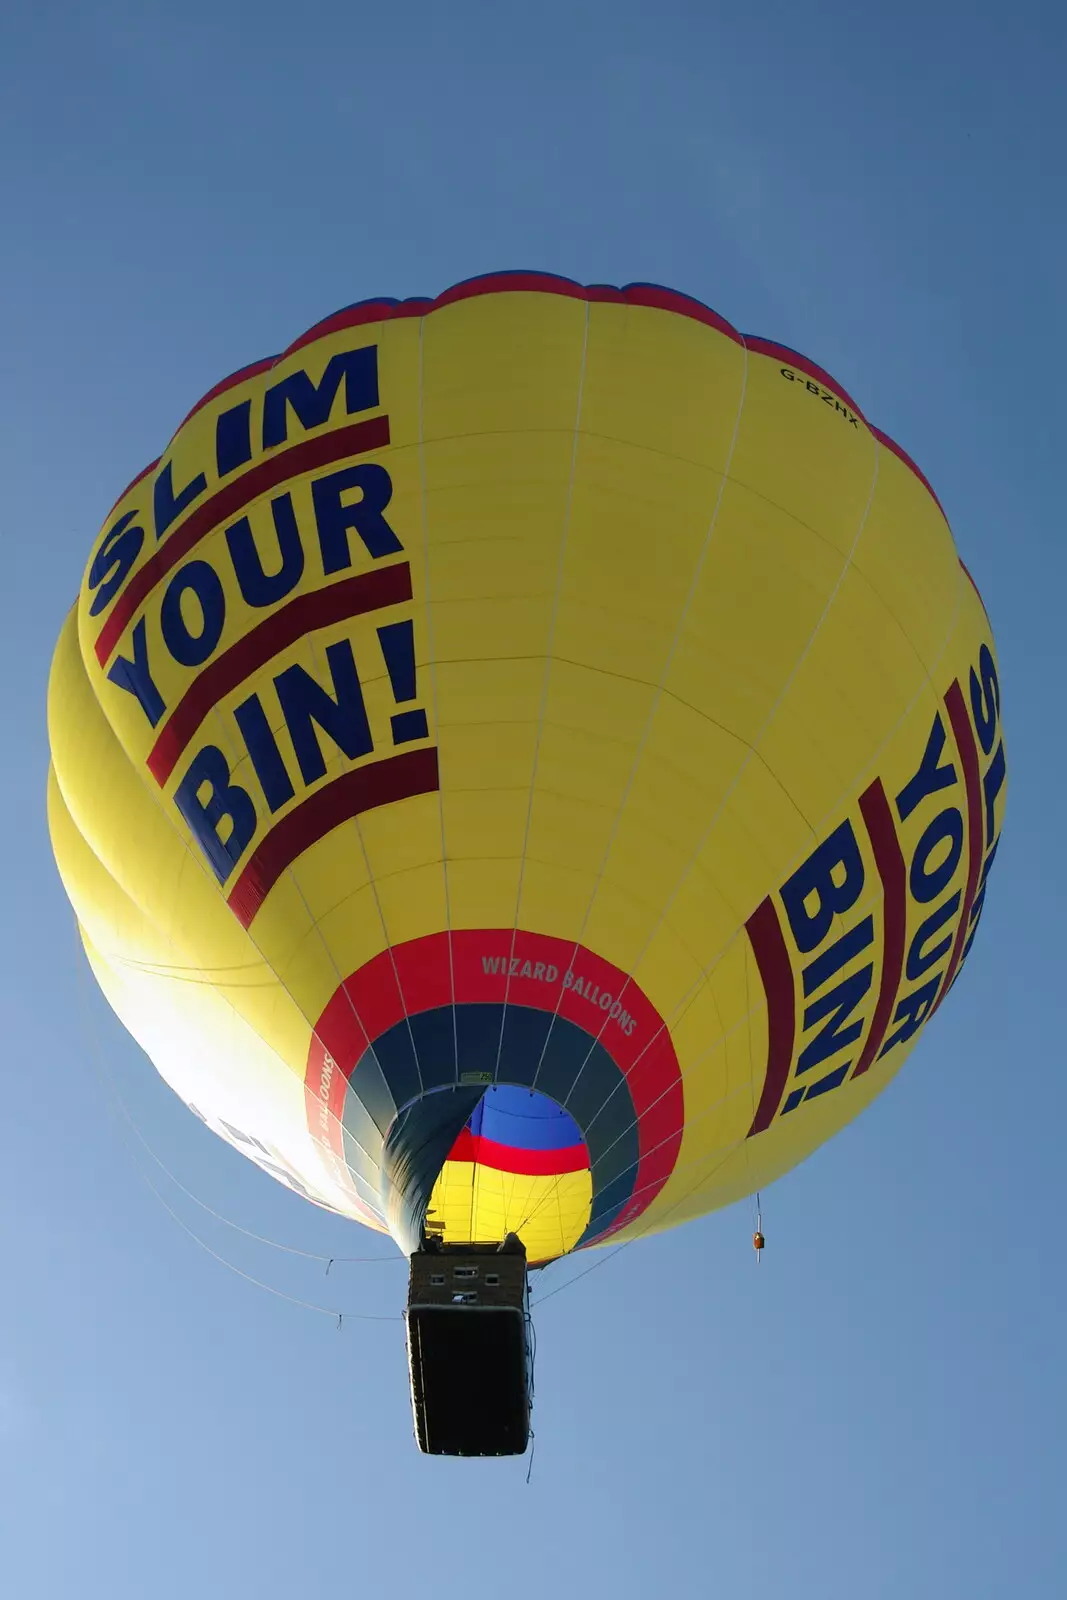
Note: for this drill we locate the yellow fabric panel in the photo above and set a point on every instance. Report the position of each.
(473, 1202)
(143, 859)
(185, 1022)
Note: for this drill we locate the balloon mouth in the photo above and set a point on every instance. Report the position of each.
(519, 1164)
(492, 1062)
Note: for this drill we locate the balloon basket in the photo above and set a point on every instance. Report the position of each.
(469, 1348)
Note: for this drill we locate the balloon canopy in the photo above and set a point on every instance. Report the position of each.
(526, 761)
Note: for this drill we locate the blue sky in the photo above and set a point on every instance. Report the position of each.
(878, 1409)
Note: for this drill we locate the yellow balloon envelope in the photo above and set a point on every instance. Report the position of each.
(526, 761)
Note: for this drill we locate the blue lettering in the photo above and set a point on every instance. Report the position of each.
(191, 649)
(946, 827)
(225, 801)
(930, 777)
(136, 678)
(263, 749)
(112, 563)
(838, 1005)
(312, 403)
(397, 640)
(921, 960)
(823, 968)
(258, 588)
(985, 699)
(335, 519)
(167, 504)
(233, 438)
(305, 703)
(827, 885)
(992, 784)
(911, 1013)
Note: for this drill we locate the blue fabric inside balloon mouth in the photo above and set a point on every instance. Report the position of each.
(523, 1119)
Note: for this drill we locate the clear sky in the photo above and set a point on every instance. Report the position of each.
(878, 1410)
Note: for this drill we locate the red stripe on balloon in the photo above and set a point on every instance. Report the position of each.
(878, 820)
(380, 784)
(242, 375)
(352, 597)
(902, 455)
(438, 969)
(321, 451)
(358, 316)
(970, 576)
(485, 1152)
(972, 782)
(772, 959)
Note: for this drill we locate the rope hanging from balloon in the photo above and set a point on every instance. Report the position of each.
(108, 1082)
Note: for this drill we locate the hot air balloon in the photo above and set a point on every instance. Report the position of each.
(525, 766)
